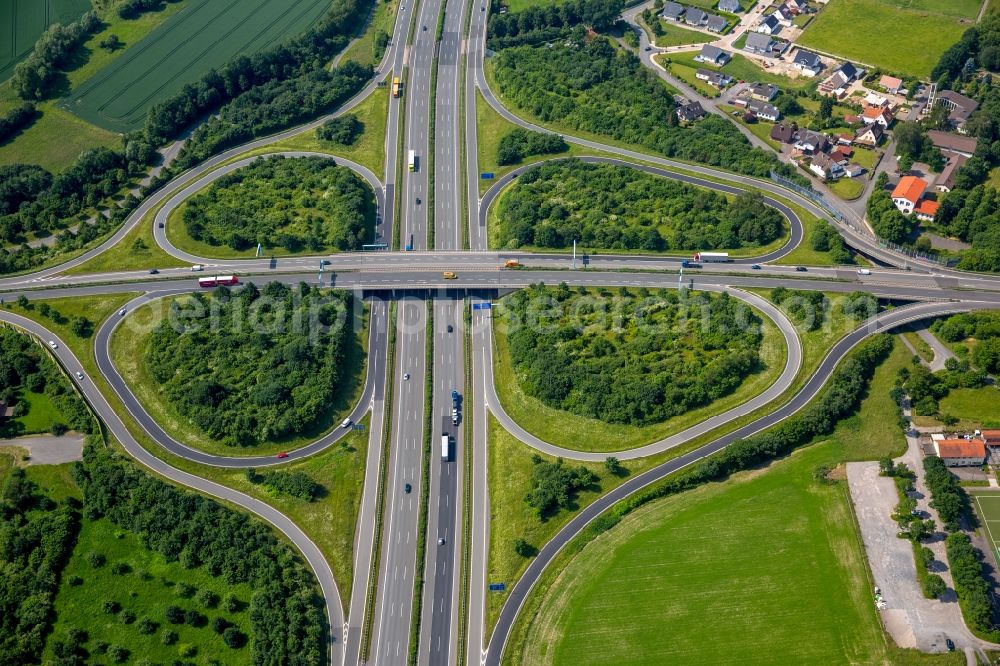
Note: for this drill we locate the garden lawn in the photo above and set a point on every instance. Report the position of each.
(973, 407)
(572, 431)
(856, 29)
(741, 68)
(848, 188)
(674, 35)
(688, 76)
(804, 254)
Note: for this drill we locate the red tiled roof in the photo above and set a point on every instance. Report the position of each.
(961, 448)
(890, 81)
(928, 207)
(874, 112)
(991, 434)
(909, 188)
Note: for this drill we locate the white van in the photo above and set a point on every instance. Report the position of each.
(197, 268)
(864, 271)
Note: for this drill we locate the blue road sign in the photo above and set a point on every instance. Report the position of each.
(482, 306)
(487, 175)
(498, 587)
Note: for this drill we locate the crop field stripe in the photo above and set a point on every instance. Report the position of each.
(177, 53)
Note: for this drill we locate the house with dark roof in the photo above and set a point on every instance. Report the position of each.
(713, 55)
(765, 92)
(769, 26)
(841, 77)
(946, 179)
(783, 16)
(960, 107)
(731, 6)
(763, 45)
(713, 78)
(672, 11)
(825, 167)
(688, 113)
(869, 135)
(797, 6)
(811, 142)
(807, 62)
(716, 23)
(948, 142)
(696, 17)
(763, 110)
(784, 133)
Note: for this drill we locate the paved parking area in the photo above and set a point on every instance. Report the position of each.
(48, 449)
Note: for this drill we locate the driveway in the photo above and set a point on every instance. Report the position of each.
(49, 449)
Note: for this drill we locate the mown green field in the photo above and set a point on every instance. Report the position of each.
(23, 21)
(857, 29)
(767, 568)
(203, 36)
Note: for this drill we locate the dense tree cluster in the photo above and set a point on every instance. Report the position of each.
(808, 308)
(36, 540)
(824, 238)
(984, 327)
(554, 485)
(615, 207)
(649, 360)
(34, 75)
(979, 47)
(926, 388)
(593, 87)
(296, 203)
(974, 593)
(544, 23)
(16, 119)
(519, 143)
(884, 217)
(974, 215)
(948, 497)
(296, 484)
(132, 9)
(273, 105)
(286, 611)
(913, 143)
(254, 367)
(344, 130)
(25, 367)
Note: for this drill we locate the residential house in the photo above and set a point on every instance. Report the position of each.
(688, 113)
(783, 16)
(845, 139)
(716, 23)
(872, 99)
(763, 45)
(713, 55)
(672, 11)
(869, 135)
(824, 167)
(960, 107)
(841, 154)
(808, 63)
(992, 437)
(731, 6)
(948, 142)
(853, 170)
(852, 119)
(959, 452)
(784, 133)
(926, 210)
(765, 92)
(836, 84)
(891, 84)
(713, 78)
(811, 142)
(769, 26)
(763, 110)
(907, 193)
(696, 17)
(797, 6)
(877, 115)
(946, 179)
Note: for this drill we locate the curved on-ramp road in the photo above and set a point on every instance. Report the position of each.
(374, 380)
(882, 322)
(792, 365)
(310, 551)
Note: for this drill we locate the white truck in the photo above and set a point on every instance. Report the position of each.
(445, 448)
(712, 257)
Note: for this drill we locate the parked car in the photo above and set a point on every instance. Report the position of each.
(949, 644)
